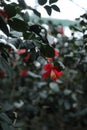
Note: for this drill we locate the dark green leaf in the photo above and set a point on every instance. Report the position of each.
(72, 27)
(7, 106)
(22, 4)
(5, 126)
(67, 105)
(54, 87)
(52, 1)
(47, 50)
(5, 118)
(3, 26)
(67, 92)
(12, 9)
(35, 28)
(5, 67)
(56, 8)
(42, 2)
(37, 13)
(59, 65)
(33, 75)
(74, 96)
(18, 25)
(48, 9)
(29, 35)
(19, 124)
(25, 16)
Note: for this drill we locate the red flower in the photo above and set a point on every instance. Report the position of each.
(56, 53)
(24, 73)
(21, 51)
(51, 71)
(2, 74)
(26, 58)
(3, 13)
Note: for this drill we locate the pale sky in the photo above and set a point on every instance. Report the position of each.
(69, 10)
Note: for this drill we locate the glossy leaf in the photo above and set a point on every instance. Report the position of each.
(12, 9)
(54, 87)
(37, 13)
(67, 92)
(25, 16)
(5, 118)
(18, 25)
(55, 7)
(6, 126)
(42, 2)
(22, 4)
(52, 1)
(49, 53)
(3, 26)
(5, 67)
(48, 9)
(59, 65)
(67, 105)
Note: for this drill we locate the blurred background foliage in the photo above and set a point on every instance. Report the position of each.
(27, 101)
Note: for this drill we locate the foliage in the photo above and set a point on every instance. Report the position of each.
(28, 101)
(24, 50)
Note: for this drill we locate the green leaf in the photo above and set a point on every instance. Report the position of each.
(74, 97)
(67, 105)
(5, 67)
(5, 126)
(22, 4)
(33, 75)
(54, 87)
(36, 12)
(29, 35)
(59, 65)
(47, 50)
(3, 26)
(72, 27)
(25, 16)
(56, 8)
(18, 25)
(67, 92)
(52, 1)
(48, 9)
(20, 129)
(5, 118)
(7, 106)
(12, 9)
(42, 2)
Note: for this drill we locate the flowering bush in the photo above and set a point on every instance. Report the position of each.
(25, 52)
(37, 90)
(51, 71)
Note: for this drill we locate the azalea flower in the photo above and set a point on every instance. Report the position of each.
(24, 73)
(2, 74)
(23, 51)
(26, 58)
(3, 14)
(51, 71)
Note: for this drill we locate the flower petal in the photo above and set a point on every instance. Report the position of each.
(56, 52)
(47, 67)
(26, 58)
(24, 73)
(46, 74)
(21, 51)
(58, 73)
(53, 75)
